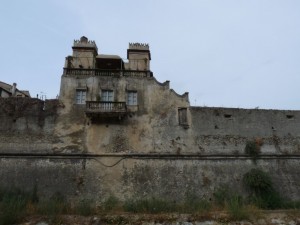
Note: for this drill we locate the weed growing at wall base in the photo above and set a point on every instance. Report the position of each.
(84, 208)
(237, 209)
(53, 206)
(193, 204)
(16, 204)
(262, 192)
(12, 205)
(222, 195)
(150, 205)
(110, 203)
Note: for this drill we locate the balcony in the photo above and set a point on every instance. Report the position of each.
(106, 73)
(101, 109)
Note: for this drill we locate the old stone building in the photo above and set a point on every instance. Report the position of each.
(7, 90)
(121, 102)
(116, 130)
(110, 87)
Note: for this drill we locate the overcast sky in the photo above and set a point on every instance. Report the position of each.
(229, 53)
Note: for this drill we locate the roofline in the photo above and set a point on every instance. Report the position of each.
(138, 50)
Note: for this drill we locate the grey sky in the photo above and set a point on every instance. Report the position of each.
(242, 53)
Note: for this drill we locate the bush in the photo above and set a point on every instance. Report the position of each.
(262, 191)
(258, 181)
(252, 148)
(110, 203)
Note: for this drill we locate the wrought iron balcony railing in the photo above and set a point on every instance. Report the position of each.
(109, 73)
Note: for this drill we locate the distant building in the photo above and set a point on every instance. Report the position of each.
(7, 90)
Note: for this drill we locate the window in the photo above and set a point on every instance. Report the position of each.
(182, 116)
(131, 98)
(107, 96)
(80, 96)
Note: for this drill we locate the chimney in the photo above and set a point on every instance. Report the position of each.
(13, 89)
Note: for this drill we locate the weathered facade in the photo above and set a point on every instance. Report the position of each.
(116, 130)
(120, 103)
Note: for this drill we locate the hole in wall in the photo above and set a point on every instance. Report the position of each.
(216, 127)
(216, 112)
(289, 116)
(227, 115)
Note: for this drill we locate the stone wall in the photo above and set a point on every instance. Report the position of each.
(127, 178)
(55, 146)
(27, 124)
(226, 131)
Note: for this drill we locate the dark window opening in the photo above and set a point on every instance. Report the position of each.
(182, 116)
(289, 116)
(227, 115)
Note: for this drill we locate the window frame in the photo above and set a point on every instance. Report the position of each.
(132, 98)
(80, 96)
(105, 95)
(183, 116)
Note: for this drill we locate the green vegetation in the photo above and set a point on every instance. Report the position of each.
(85, 208)
(262, 192)
(150, 205)
(193, 204)
(232, 202)
(53, 206)
(237, 208)
(222, 195)
(13, 203)
(111, 203)
(252, 148)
